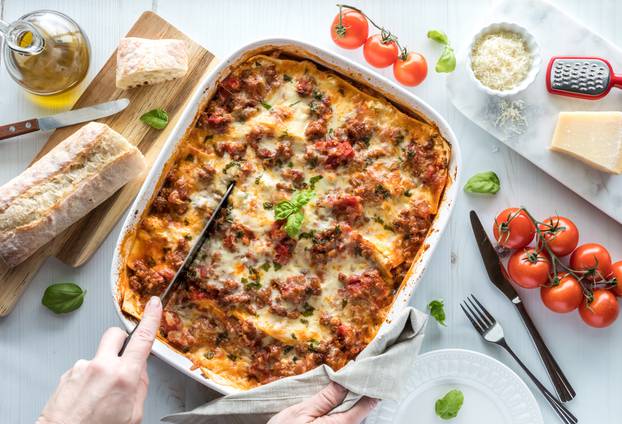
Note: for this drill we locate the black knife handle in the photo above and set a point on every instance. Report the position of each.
(562, 386)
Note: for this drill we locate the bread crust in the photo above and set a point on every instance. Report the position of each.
(142, 61)
(63, 186)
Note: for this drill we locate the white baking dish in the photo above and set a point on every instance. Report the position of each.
(401, 97)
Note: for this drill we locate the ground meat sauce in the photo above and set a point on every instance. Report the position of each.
(353, 181)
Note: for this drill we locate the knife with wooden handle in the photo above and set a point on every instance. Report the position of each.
(85, 114)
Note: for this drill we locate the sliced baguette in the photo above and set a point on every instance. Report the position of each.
(143, 62)
(63, 186)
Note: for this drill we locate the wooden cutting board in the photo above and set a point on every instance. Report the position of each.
(76, 245)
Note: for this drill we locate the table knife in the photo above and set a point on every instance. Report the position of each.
(177, 279)
(89, 113)
(498, 275)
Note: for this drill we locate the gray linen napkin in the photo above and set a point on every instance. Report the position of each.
(378, 372)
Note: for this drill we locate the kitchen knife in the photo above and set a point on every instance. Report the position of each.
(498, 276)
(89, 113)
(166, 294)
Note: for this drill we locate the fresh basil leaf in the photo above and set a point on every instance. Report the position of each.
(483, 183)
(437, 311)
(267, 106)
(156, 118)
(301, 198)
(294, 222)
(448, 406)
(284, 209)
(438, 36)
(63, 297)
(447, 61)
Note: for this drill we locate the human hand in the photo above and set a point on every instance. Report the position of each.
(109, 389)
(314, 409)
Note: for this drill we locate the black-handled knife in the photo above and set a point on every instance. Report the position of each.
(166, 294)
(498, 276)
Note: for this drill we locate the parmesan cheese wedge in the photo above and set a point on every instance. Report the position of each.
(592, 137)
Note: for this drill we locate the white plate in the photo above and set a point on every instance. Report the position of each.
(493, 393)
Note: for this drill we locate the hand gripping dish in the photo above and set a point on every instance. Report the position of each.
(343, 184)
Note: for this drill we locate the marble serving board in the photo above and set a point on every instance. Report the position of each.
(529, 129)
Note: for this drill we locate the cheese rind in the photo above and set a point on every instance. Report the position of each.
(594, 138)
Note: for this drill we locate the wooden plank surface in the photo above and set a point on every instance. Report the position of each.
(76, 245)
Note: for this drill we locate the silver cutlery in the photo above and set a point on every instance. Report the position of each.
(498, 276)
(488, 327)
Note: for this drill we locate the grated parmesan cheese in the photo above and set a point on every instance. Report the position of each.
(500, 60)
(511, 116)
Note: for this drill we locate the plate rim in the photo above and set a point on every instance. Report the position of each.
(481, 355)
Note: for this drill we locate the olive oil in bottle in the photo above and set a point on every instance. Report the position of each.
(48, 54)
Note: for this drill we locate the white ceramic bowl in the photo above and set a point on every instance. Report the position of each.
(532, 46)
(206, 89)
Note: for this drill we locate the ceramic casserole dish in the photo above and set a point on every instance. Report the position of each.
(400, 97)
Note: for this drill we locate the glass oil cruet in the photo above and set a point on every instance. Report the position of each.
(48, 54)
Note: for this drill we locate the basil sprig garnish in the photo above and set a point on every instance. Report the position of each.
(447, 61)
(291, 210)
(63, 297)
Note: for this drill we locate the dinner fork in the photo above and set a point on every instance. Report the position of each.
(486, 325)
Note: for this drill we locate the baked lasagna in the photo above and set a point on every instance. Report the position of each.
(336, 190)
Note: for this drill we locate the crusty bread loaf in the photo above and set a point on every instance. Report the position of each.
(63, 186)
(142, 62)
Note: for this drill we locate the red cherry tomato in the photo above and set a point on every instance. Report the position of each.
(561, 235)
(565, 296)
(410, 71)
(378, 52)
(529, 268)
(602, 311)
(616, 272)
(513, 228)
(593, 259)
(352, 31)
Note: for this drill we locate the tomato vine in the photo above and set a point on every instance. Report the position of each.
(589, 279)
(386, 35)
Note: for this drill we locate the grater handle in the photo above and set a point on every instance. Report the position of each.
(616, 81)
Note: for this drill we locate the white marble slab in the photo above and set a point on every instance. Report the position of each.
(557, 34)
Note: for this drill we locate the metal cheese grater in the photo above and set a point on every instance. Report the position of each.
(582, 77)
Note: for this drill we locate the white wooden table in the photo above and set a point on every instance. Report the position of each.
(36, 346)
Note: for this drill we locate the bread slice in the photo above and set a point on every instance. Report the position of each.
(142, 62)
(63, 186)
